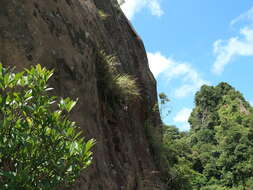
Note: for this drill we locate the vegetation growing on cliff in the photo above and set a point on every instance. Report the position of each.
(217, 153)
(41, 148)
(113, 85)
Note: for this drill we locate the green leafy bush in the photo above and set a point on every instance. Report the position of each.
(40, 148)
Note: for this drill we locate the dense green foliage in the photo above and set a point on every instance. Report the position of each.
(40, 148)
(169, 150)
(217, 153)
(221, 137)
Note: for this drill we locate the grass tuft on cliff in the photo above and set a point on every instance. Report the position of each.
(113, 85)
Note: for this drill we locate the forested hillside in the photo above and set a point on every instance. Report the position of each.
(217, 153)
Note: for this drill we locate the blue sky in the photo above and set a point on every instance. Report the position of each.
(195, 42)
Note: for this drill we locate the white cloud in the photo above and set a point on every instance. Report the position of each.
(251, 102)
(182, 117)
(189, 77)
(240, 45)
(158, 63)
(248, 15)
(225, 51)
(155, 8)
(131, 7)
(185, 127)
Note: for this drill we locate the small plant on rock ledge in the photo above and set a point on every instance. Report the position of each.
(126, 87)
(114, 86)
(103, 15)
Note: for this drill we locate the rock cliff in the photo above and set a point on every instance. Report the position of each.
(67, 35)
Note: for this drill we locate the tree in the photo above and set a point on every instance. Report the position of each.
(163, 105)
(221, 137)
(217, 152)
(41, 148)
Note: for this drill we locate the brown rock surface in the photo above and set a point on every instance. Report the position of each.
(66, 35)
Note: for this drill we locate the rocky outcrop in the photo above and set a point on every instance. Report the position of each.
(67, 35)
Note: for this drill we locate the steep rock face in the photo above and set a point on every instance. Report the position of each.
(67, 35)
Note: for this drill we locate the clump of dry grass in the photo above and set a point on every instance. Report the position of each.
(127, 86)
(121, 87)
(103, 15)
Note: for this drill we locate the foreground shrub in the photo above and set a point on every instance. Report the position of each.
(40, 148)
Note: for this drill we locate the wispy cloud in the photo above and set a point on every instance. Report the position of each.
(190, 79)
(182, 118)
(155, 8)
(226, 50)
(247, 16)
(131, 7)
(239, 45)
